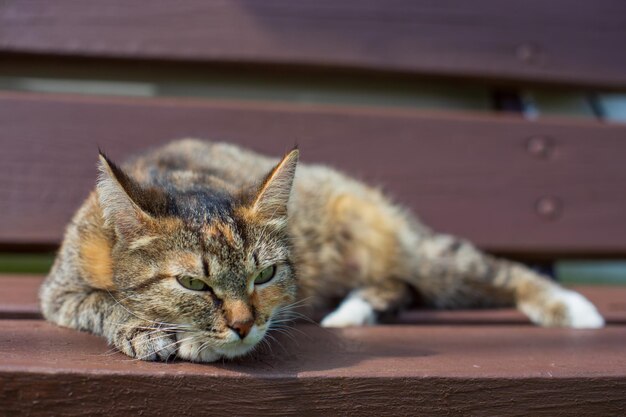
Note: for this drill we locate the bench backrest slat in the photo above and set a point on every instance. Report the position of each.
(557, 41)
(479, 176)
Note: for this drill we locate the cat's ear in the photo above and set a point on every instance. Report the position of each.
(115, 191)
(273, 195)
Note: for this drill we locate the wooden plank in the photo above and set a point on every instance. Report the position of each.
(19, 300)
(382, 370)
(19, 297)
(561, 41)
(543, 188)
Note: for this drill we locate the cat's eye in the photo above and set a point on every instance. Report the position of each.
(192, 283)
(265, 275)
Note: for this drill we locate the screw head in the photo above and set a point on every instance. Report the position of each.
(529, 53)
(549, 208)
(540, 146)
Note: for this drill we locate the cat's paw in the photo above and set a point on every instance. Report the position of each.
(353, 311)
(145, 343)
(580, 312)
(564, 308)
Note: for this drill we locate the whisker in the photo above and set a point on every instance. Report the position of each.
(117, 302)
(285, 331)
(273, 339)
(164, 347)
(267, 345)
(114, 350)
(296, 303)
(141, 341)
(205, 345)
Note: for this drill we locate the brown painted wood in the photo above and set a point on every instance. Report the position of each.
(407, 370)
(550, 188)
(562, 41)
(19, 296)
(19, 299)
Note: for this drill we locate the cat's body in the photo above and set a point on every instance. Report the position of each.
(173, 258)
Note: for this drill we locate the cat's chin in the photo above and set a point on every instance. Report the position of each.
(234, 351)
(196, 349)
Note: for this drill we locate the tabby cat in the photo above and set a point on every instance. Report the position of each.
(195, 250)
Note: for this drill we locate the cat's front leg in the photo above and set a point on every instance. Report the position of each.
(363, 306)
(99, 312)
(354, 310)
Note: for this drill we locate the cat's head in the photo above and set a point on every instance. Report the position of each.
(210, 264)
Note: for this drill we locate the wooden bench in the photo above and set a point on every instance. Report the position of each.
(537, 189)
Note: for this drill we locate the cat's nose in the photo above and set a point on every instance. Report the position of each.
(239, 316)
(242, 328)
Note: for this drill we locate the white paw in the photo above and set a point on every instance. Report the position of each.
(353, 311)
(563, 308)
(580, 312)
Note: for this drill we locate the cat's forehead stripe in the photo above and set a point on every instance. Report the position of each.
(222, 231)
(200, 205)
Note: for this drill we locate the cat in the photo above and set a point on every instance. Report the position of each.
(195, 250)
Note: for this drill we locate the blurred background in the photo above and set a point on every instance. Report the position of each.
(502, 122)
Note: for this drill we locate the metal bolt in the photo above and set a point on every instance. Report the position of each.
(549, 207)
(529, 53)
(540, 146)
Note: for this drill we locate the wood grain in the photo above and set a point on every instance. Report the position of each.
(402, 370)
(478, 176)
(561, 41)
(19, 300)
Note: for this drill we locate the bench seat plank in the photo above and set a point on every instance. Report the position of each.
(482, 39)
(382, 370)
(19, 300)
(546, 188)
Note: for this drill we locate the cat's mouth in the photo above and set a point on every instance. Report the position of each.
(235, 346)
